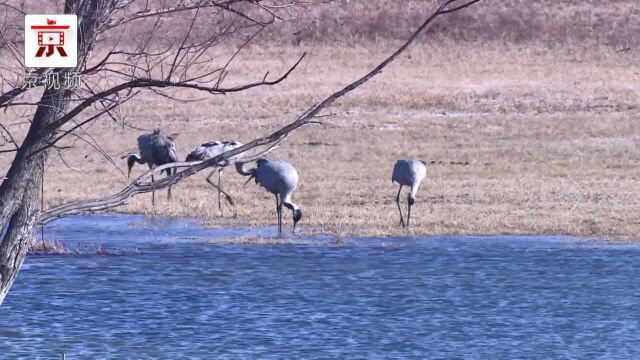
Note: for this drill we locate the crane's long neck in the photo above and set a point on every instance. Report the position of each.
(132, 159)
(295, 210)
(245, 172)
(289, 204)
(414, 191)
(135, 158)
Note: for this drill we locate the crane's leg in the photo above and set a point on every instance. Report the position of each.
(169, 173)
(408, 212)
(219, 188)
(398, 203)
(153, 193)
(219, 192)
(279, 214)
(277, 208)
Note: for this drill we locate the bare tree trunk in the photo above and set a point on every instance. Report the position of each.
(20, 196)
(18, 230)
(20, 193)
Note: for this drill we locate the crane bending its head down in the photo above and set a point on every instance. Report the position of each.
(279, 178)
(408, 172)
(155, 150)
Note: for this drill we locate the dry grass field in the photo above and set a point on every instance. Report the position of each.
(549, 131)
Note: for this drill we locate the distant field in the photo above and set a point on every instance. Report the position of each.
(548, 122)
(552, 23)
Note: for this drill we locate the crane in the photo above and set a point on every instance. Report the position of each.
(155, 150)
(279, 178)
(408, 172)
(210, 150)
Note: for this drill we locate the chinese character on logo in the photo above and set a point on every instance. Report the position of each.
(50, 38)
(52, 81)
(30, 81)
(71, 80)
(50, 41)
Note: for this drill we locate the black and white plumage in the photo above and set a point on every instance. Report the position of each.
(210, 150)
(279, 178)
(155, 150)
(408, 172)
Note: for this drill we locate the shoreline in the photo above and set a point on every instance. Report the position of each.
(311, 231)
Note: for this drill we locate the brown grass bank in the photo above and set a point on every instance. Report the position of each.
(551, 140)
(543, 108)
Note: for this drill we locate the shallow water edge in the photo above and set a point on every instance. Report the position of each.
(201, 230)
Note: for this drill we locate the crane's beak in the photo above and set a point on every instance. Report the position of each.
(130, 161)
(250, 177)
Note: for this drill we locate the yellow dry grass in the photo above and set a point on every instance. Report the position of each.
(550, 136)
(48, 247)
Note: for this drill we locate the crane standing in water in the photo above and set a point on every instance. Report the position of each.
(210, 150)
(279, 178)
(155, 150)
(408, 172)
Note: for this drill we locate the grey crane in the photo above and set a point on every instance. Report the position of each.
(155, 150)
(408, 172)
(279, 178)
(210, 150)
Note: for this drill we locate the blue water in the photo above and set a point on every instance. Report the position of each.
(180, 296)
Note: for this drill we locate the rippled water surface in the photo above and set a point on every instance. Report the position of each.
(179, 296)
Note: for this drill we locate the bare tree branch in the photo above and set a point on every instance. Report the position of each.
(10, 139)
(80, 124)
(14, 8)
(11, 94)
(188, 6)
(151, 83)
